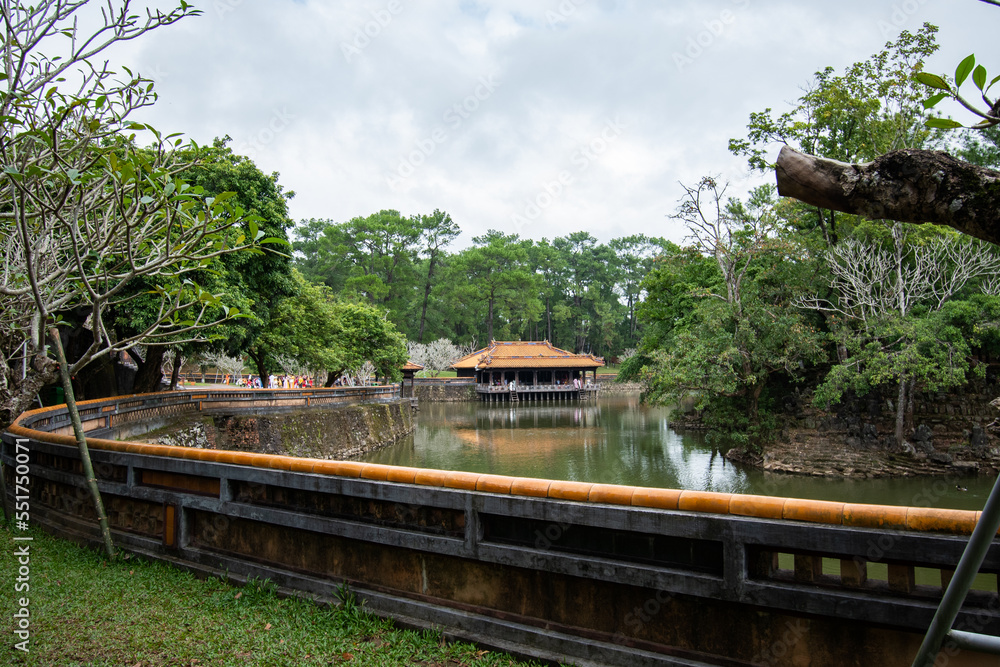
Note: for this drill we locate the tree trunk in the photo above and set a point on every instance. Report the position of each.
(906, 185)
(176, 370)
(260, 361)
(489, 322)
(149, 374)
(331, 377)
(81, 443)
(548, 321)
(753, 404)
(900, 410)
(427, 296)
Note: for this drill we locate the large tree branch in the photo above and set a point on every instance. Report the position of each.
(906, 185)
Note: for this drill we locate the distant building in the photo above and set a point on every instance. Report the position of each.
(529, 370)
(410, 370)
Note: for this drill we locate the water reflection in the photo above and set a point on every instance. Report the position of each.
(617, 440)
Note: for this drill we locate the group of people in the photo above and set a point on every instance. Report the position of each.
(240, 381)
(290, 382)
(274, 381)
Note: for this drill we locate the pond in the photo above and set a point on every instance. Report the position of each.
(618, 440)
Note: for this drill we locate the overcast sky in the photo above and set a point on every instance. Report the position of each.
(535, 117)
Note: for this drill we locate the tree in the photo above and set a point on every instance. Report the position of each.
(887, 300)
(873, 107)
(223, 363)
(85, 212)
(741, 329)
(588, 271)
(908, 186)
(496, 274)
(329, 336)
(634, 255)
(438, 231)
(435, 356)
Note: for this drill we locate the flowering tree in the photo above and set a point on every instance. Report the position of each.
(435, 356)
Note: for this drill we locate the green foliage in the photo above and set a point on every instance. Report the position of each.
(328, 335)
(873, 107)
(981, 147)
(925, 350)
(722, 323)
(990, 115)
(573, 291)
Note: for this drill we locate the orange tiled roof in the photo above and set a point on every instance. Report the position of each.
(410, 366)
(526, 354)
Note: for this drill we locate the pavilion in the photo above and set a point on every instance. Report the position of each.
(529, 370)
(410, 370)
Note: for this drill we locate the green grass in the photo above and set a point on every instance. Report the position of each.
(88, 611)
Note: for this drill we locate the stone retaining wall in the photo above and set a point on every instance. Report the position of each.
(444, 392)
(609, 386)
(342, 432)
(951, 435)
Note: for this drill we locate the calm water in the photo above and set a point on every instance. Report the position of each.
(616, 440)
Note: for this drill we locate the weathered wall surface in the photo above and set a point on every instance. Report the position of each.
(443, 392)
(951, 434)
(609, 386)
(325, 433)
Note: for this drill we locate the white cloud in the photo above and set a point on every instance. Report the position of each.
(564, 69)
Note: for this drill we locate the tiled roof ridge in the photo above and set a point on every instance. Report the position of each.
(529, 350)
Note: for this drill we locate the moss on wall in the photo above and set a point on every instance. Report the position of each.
(326, 433)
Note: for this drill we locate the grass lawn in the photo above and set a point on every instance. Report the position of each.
(85, 610)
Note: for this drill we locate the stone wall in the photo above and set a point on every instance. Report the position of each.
(609, 386)
(338, 433)
(443, 392)
(950, 435)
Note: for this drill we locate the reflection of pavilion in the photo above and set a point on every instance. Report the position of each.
(529, 371)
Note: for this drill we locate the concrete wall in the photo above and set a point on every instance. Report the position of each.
(589, 573)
